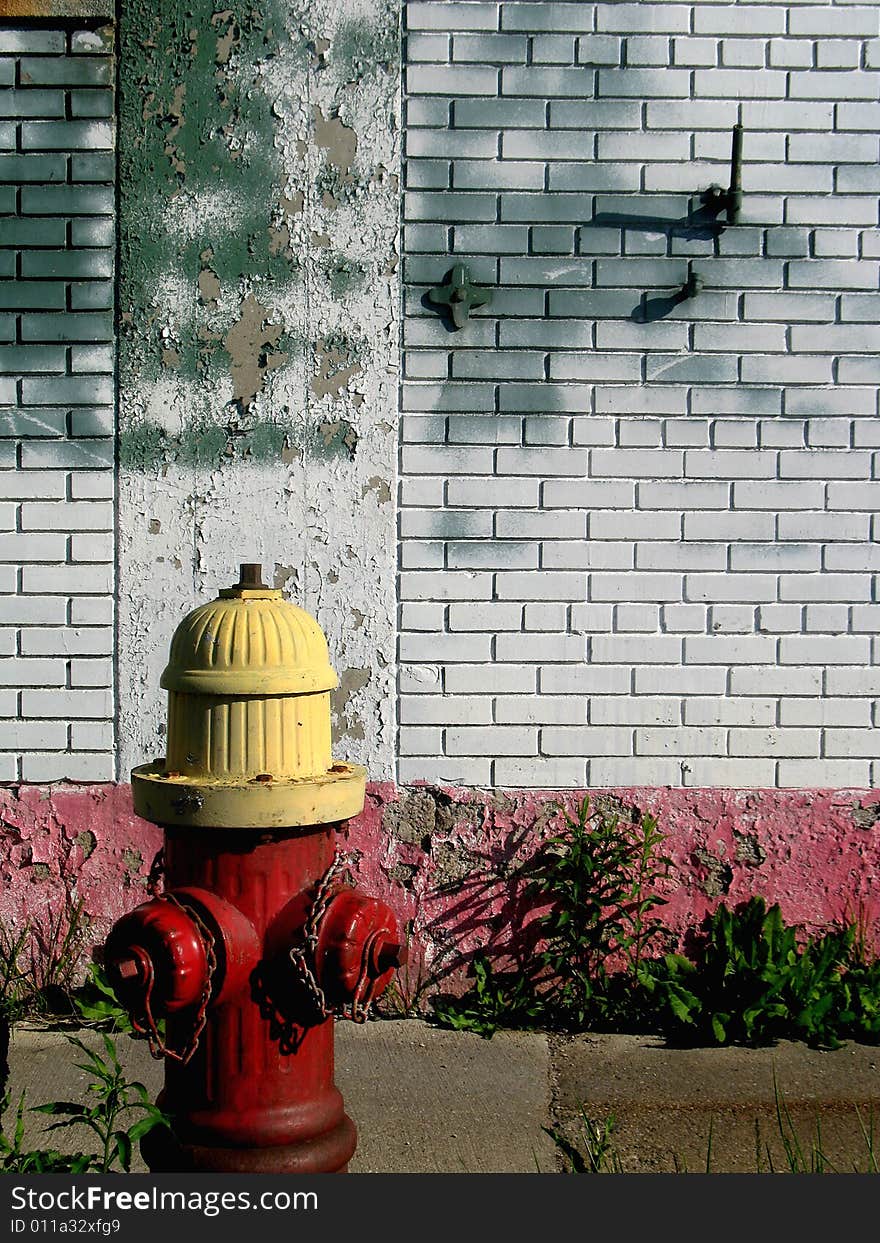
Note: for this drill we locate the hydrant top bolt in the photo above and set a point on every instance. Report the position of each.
(250, 574)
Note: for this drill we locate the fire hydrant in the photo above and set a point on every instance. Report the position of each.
(235, 973)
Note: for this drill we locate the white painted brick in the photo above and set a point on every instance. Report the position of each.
(788, 435)
(854, 495)
(866, 618)
(781, 742)
(91, 673)
(827, 618)
(819, 712)
(64, 641)
(40, 767)
(837, 649)
(678, 680)
(589, 493)
(776, 557)
(547, 774)
(718, 712)
(585, 680)
(446, 771)
(490, 680)
(628, 772)
(421, 616)
(799, 773)
(92, 547)
(69, 704)
(685, 495)
(681, 741)
(684, 618)
(492, 555)
(422, 555)
(23, 735)
(805, 587)
(591, 617)
(414, 740)
(852, 681)
(586, 740)
(492, 493)
(540, 586)
(544, 616)
(444, 710)
(451, 647)
(498, 740)
(725, 649)
(681, 556)
(22, 548)
(731, 525)
(734, 773)
(448, 586)
(777, 495)
(637, 618)
(91, 736)
(636, 648)
(492, 615)
(548, 524)
(618, 525)
(21, 672)
(32, 610)
(90, 485)
(731, 619)
(729, 464)
(541, 710)
(747, 680)
(420, 678)
(539, 647)
(627, 710)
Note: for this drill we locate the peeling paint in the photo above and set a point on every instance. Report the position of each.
(335, 369)
(346, 723)
(336, 139)
(250, 344)
(259, 309)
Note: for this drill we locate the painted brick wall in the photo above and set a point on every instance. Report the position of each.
(56, 404)
(639, 537)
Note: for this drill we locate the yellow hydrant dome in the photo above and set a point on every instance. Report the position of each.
(250, 641)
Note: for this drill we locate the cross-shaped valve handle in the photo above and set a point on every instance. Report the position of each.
(459, 295)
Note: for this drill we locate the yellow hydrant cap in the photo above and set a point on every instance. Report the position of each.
(249, 641)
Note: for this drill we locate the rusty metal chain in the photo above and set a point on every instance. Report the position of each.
(159, 1048)
(303, 955)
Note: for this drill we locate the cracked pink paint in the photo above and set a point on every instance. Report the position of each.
(816, 852)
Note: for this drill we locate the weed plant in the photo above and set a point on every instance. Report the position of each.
(113, 1099)
(752, 979)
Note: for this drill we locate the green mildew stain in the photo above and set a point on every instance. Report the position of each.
(366, 48)
(201, 181)
(344, 276)
(147, 446)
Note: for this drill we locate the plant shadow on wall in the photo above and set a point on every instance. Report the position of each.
(597, 955)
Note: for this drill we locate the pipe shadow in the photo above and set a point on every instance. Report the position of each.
(701, 223)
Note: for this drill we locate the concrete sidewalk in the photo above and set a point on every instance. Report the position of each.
(435, 1101)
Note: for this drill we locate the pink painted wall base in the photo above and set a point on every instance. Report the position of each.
(442, 857)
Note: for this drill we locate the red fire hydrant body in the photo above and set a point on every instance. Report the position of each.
(258, 939)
